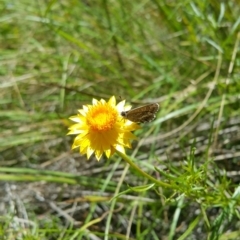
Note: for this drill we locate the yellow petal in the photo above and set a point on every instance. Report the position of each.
(112, 101)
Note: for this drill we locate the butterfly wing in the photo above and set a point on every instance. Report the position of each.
(142, 114)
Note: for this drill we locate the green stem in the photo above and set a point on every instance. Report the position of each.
(130, 162)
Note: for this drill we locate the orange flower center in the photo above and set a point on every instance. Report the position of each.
(101, 117)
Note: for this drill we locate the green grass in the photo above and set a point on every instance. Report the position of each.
(57, 56)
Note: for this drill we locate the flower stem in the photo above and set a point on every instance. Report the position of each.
(130, 162)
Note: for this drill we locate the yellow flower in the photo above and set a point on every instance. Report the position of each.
(102, 129)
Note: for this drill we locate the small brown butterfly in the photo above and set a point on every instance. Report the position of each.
(141, 114)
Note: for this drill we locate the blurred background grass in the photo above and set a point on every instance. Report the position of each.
(58, 55)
